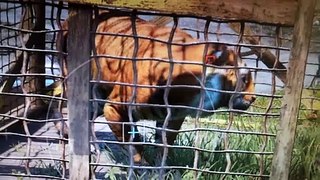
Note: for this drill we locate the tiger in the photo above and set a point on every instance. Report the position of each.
(160, 81)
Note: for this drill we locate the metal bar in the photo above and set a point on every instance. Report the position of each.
(181, 167)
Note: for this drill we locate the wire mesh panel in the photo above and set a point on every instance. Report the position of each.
(213, 142)
(31, 98)
(10, 38)
(308, 121)
(171, 96)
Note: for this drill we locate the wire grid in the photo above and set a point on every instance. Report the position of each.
(9, 38)
(193, 150)
(310, 95)
(203, 144)
(30, 146)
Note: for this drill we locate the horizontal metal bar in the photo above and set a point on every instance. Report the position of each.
(178, 167)
(190, 130)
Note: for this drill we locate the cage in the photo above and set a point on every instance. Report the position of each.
(45, 80)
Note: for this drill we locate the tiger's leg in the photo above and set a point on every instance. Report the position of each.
(116, 114)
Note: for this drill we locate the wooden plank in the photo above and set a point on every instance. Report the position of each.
(264, 11)
(78, 89)
(293, 90)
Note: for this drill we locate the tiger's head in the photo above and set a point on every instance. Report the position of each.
(230, 84)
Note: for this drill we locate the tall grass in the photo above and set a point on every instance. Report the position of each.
(305, 160)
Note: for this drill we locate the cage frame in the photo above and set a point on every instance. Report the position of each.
(297, 13)
(300, 15)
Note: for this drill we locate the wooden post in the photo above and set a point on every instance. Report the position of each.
(78, 89)
(293, 90)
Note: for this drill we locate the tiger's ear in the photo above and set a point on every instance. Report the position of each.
(215, 56)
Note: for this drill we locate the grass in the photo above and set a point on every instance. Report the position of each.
(305, 159)
(306, 155)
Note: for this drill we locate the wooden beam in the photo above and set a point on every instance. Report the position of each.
(264, 54)
(293, 90)
(264, 11)
(78, 89)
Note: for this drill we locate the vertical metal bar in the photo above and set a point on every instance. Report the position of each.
(26, 22)
(166, 100)
(78, 89)
(134, 89)
(60, 104)
(95, 104)
(201, 103)
(231, 114)
(293, 90)
(264, 123)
